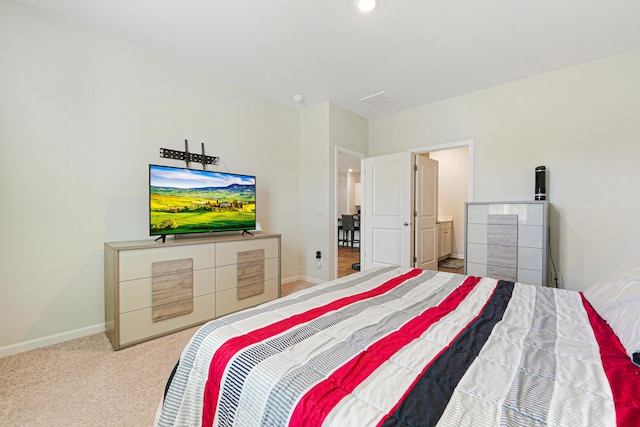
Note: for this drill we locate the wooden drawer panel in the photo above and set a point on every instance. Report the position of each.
(138, 325)
(504, 235)
(227, 300)
(227, 276)
(136, 294)
(502, 219)
(505, 256)
(227, 252)
(136, 263)
(503, 273)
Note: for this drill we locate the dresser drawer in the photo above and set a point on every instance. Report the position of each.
(502, 273)
(477, 214)
(474, 269)
(136, 264)
(528, 213)
(530, 258)
(476, 253)
(532, 277)
(138, 325)
(227, 252)
(530, 236)
(136, 294)
(477, 233)
(227, 301)
(227, 276)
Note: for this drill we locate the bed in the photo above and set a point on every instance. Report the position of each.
(405, 347)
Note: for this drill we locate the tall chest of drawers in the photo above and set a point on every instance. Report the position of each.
(507, 240)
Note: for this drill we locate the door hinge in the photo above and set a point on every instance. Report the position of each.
(415, 168)
(415, 214)
(415, 259)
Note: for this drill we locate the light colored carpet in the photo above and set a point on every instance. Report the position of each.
(83, 382)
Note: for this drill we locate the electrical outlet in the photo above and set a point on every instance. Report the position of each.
(318, 255)
(558, 280)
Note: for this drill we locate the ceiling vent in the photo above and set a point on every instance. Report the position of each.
(379, 100)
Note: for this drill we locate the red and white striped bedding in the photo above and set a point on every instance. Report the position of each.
(404, 347)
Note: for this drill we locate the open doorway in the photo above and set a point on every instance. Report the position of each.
(453, 190)
(388, 200)
(348, 203)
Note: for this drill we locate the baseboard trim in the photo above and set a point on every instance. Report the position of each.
(301, 277)
(290, 279)
(20, 347)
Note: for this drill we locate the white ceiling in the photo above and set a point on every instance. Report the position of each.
(417, 51)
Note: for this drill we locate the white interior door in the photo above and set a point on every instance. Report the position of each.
(426, 202)
(387, 211)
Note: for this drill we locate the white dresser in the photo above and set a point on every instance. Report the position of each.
(152, 289)
(507, 240)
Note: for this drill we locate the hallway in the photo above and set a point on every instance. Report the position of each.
(347, 257)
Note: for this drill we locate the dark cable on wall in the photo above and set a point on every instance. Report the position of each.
(555, 273)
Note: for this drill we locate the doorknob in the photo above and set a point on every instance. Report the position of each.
(406, 224)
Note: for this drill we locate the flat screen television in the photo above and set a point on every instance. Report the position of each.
(185, 201)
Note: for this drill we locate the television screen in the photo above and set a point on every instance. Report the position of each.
(197, 201)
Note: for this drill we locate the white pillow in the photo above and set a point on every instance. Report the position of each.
(616, 298)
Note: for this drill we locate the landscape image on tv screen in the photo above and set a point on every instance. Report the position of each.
(192, 201)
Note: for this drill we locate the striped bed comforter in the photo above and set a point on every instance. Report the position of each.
(404, 347)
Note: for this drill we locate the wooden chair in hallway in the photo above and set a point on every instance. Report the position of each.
(349, 230)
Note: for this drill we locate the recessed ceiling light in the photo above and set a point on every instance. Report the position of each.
(366, 5)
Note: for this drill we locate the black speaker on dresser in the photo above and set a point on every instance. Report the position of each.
(541, 183)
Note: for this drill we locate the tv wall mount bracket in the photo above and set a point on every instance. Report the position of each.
(189, 157)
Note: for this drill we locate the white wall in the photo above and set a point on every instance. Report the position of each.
(342, 193)
(453, 191)
(353, 178)
(349, 132)
(346, 192)
(323, 128)
(81, 117)
(581, 122)
(315, 187)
